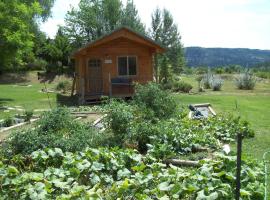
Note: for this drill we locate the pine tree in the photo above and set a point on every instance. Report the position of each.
(155, 33)
(131, 19)
(165, 32)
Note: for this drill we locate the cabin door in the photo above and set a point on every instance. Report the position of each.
(95, 81)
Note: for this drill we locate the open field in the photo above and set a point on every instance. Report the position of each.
(253, 106)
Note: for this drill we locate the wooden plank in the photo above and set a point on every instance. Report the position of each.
(187, 163)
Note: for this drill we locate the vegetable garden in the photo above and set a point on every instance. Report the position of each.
(64, 159)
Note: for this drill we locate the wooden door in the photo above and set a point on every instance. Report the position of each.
(95, 81)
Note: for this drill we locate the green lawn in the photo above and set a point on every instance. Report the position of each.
(26, 97)
(13, 92)
(253, 106)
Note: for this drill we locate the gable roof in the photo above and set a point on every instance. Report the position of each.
(124, 32)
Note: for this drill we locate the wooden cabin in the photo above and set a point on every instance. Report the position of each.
(112, 64)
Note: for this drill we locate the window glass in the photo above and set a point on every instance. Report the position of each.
(122, 66)
(132, 65)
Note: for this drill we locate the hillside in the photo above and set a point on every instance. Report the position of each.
(198, 56)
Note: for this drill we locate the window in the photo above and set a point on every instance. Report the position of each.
(94, 63)
(127, 65)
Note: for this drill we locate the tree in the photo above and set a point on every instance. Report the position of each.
(45, 5)
(171, 39)
(131, 19)
(164, 70)
(91, 20)
(16, 37)
(155, 33)
(18, 19)
(94, 18)
(165, 31)
(56, 51)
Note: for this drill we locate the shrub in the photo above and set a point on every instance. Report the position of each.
(182, 86)
(28, 114)
(216, 83)
(63, 86)
(119, 118)
(167, 86)
(206, 80)
(245, 81)
(154, 101)
(8, 121)
(55, 129)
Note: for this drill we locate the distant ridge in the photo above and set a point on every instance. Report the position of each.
(214, 57)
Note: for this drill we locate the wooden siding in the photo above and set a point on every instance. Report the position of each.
(110, 51)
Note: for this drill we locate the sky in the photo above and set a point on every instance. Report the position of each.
(205, 23)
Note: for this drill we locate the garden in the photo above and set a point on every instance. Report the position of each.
(133, 157)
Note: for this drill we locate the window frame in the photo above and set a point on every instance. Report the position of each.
(127, 56)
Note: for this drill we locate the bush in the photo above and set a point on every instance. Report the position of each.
(216, 83)
(63, 86)
(182, 86)
(28, 114)
(154, 101)
(206, 80)
(8, 121)
(245, 81)
(56, 128)
(119, 119)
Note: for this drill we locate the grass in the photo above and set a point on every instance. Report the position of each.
(15, 93)
(253, 106)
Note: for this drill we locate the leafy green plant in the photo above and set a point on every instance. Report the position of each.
(119, 117)
(245, 81)
(182, 86)
(63, 86)
(56, 128)
(206, 80)
(123, 174)
(8, 121)
(154, 101)
(216, 83)
(28, 114)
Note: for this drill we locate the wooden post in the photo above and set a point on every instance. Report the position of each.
(73, 84)
(82, 90)
(110, 86)
(238, 169)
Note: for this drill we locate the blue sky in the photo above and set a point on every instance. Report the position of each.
(206, 23)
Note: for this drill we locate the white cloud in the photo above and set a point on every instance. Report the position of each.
(208, 23)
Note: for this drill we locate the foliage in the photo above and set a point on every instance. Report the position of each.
(122, 174)
(165, 31)
(95, 18)
(131, 19)
(182, 86)
(57, 51)
(63, 86)
(245, 81)
(216, 83)
(119, 118)
(8, 121)
(16, 37)
(28, 114)
(55, 129)
(154, 101)
(19, 30)
(206, 80)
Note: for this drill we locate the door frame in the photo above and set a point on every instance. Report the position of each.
(88, 77)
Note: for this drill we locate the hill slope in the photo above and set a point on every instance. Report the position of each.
(198, 56)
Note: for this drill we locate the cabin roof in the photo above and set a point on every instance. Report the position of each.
(118, 33)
